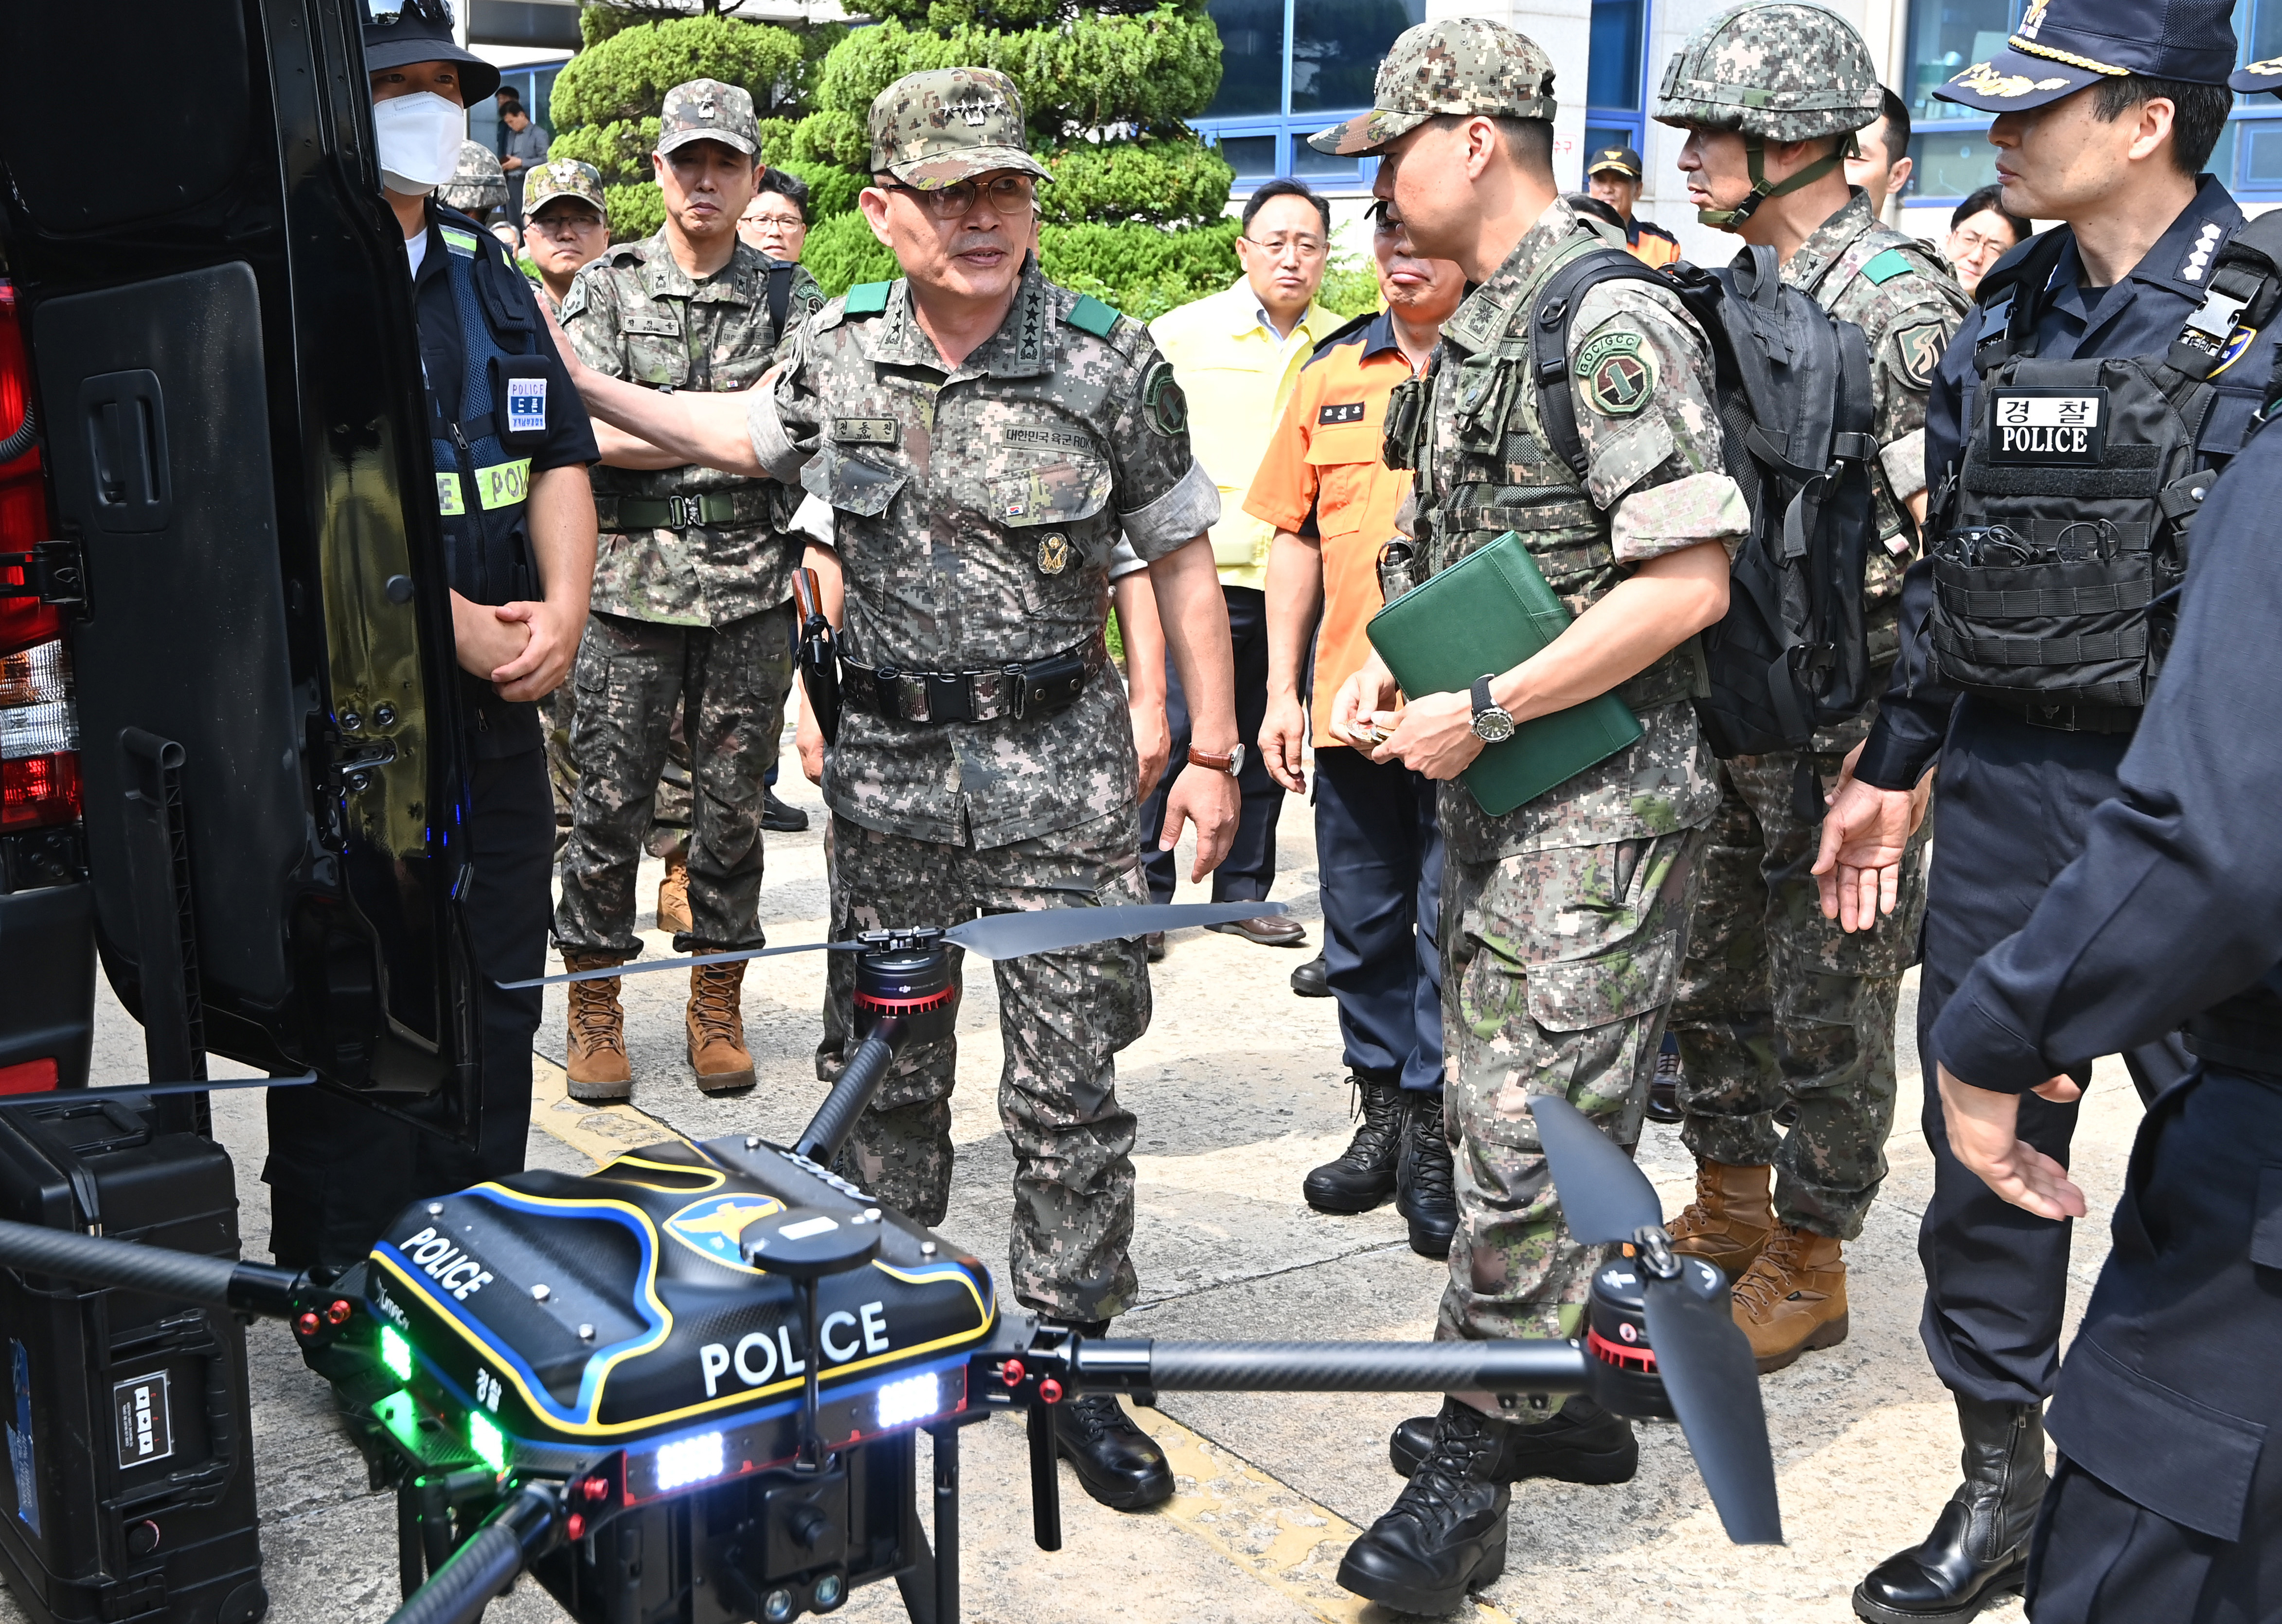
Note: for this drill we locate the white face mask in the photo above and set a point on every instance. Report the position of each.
(419, 137)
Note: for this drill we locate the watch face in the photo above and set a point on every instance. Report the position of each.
(1235, 759)
(1493, 727)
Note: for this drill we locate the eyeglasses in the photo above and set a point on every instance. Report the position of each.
(782, 222)
(567, 218)
(1305, 247)
(1973, 242)
(1009, 194)
(388, 13)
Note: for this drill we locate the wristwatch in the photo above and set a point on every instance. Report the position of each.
(1231, 764)
(1492, 723)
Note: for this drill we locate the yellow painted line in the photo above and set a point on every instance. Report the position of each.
(1266, 1527)
(602, 1132)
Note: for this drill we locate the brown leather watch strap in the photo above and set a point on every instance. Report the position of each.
(1219, 764)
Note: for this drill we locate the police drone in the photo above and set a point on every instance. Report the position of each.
(686, 1387)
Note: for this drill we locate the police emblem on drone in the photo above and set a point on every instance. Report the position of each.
(712, 1225)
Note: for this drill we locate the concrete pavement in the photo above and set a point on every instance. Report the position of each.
(1239, 1089)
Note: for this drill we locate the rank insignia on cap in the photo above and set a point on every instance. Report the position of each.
(1984, 80)
(1616, 374)
(1053, 553)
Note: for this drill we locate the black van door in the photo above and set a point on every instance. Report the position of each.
(218, 320)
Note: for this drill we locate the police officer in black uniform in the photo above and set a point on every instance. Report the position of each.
(2168, 1501)
(2070, 441)
(511, 443)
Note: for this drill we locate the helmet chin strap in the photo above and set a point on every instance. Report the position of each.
(1754, 152)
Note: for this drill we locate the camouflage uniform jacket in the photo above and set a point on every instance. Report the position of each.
(1907, 305)
(635, 314)
(1641, 382)
(975, 511)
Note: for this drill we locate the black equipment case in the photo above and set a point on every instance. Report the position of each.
(129, 1492)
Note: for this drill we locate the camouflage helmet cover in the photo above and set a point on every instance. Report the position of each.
(935, 128)
(1777, 69)
(478, 182)
(1463, 66)
(564, 177)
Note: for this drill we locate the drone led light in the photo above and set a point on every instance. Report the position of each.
(910, 1399)
(395, 1352)
(488, 1442)
(689, 1460)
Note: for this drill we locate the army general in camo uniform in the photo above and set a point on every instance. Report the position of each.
(983, 436)
(1563, 922)
(693, 581)
(1777, 1002)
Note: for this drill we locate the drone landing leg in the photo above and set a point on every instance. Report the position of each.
(411, 1559)
(946, 1524)
(1045, 1479)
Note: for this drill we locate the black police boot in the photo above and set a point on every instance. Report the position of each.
(1582, 1444)
(1313, 979)
(1979, 1547)
(1425, 1192)
(1363, 1176)
(1445, 1535)
(1120, 1465)
(1664, 1088)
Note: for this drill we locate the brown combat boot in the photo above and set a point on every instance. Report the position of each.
(1793, 1297)
(1728, 1221)
(716, 1028)
(598, 1068)
(674, 894)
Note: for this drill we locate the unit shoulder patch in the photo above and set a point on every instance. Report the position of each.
(1616, 373)
(1164, 407)
(867, 298)
(1090, 315)
(1917, 352)
(1883, 268)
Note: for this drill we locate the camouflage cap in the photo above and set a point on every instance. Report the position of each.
(565, 177)
(1463, 64)
(478, 182)
(935, 128)
(707, 110)
(1777, 69)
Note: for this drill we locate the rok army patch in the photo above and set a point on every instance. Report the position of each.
(1917, 352)
(1617, 373)
(1163, 406)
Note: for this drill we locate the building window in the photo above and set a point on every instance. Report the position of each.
(1950, 144)
(1289, 67)
(1614, 90)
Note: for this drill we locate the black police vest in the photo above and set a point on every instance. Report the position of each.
(2063, 538)
(482, 458)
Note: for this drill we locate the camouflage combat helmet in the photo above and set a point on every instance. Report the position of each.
(478, 182)
(1772, 70)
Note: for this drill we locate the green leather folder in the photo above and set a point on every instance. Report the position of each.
(1486, 614)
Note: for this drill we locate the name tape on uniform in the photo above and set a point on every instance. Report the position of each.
(1341, 411)
(2048, 426)
(526, 406)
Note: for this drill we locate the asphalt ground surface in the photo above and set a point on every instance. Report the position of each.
(1239, 1089)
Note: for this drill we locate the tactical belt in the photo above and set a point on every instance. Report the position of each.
(2250, 1045)
(1039, 689)
(616, 514)
(2067, 718)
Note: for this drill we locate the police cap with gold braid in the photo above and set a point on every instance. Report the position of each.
(2063, 45)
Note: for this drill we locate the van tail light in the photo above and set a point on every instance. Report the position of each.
(39, 718)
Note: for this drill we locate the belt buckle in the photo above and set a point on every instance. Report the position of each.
(2060, 718)
(684, 512)
(950, 697)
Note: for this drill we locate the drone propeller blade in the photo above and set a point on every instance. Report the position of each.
(1605, 1196)
(1706, 1364)
(144, 1090)
(1043, 930)
(678, 964)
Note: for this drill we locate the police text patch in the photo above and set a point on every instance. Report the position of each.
(2048, 426)
(526, 405)
(1340, 411)
(1616, 374)
(864, 431)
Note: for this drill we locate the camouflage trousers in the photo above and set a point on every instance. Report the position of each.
(668, 818)
(1776, 1002)
(727, 684)
(1061, 1015)
(1557, 967)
